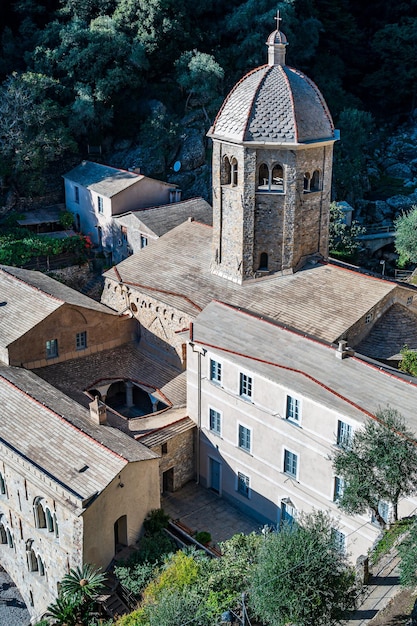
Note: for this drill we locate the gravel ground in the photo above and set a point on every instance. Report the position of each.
(13, 611)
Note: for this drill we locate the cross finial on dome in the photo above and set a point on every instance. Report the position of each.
(278, 19)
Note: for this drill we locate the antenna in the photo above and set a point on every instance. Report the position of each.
(177, 166)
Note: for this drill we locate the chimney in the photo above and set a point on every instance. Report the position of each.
(98, 412)
(343, 351)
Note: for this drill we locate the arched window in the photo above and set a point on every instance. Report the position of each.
(49, 521)
(39, 513)
(9, 538)
(271, 180)
(227, 172)
(2, 485)
(3, 535)
(263, 261)
(263, 177)
(41, 568)
(56, 526)
(315, 181)
(307, 182)
(234, 172)
(277, 182)
(32, 560)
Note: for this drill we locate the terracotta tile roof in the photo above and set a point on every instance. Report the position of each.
(322, 300)
(310, 368)
(395, 329)
(55, 434)
(160, 220)
(38, 296)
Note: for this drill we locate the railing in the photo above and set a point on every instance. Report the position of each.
(375, 229)
(402, 274)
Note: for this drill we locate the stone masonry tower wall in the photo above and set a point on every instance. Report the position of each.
(272, 168)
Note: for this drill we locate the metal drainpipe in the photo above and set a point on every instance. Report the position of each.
(198, 416)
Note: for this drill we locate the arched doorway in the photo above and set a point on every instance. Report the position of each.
(120, 533)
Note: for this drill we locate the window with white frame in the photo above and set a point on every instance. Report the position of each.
(81, 340)
(339, 486)
(215, 371)
(243, 484)
(100, 206)
(384, 512)
(143, 241)
(245, 386)
(344, 434)
(290, 463)
(293, 412)
(338, 539)
(215, 421)
(51, 348)
(288, 511)
(244, 438)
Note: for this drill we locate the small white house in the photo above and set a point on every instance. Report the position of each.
(95, 193)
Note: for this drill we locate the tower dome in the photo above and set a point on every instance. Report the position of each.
(274, 104)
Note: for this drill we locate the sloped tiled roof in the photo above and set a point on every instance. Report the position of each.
(395, 329)
(322, 300)
(55, 434)
(38, 296)
(349, 386)
(105, 180)
(161, 219)
(277, 104)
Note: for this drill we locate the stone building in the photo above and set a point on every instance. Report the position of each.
(266, 259)
(72, 489)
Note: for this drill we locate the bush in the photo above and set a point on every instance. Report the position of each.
(155, 521)
(203, 537)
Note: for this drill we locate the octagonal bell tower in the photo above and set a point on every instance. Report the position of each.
(272, 168)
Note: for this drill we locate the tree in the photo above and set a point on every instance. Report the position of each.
(200, 76)
(380, 464)
(406, 236)
(408, 362)
(343, 238)
(301, 576)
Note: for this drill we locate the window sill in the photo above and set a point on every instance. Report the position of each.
(246, 399)
(273, 191)
(248, 452)
(292, 421)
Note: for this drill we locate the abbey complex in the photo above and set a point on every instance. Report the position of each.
(227, 347)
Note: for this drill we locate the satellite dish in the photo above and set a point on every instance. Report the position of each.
(177, 166)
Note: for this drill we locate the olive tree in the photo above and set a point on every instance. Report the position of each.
(379, 464)
(302, 577)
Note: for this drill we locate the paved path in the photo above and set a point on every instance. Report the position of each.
(382, 587)
(201, 509)
(13, 611)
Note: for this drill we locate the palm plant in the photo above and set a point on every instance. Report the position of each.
(63, 612)
(83, 583)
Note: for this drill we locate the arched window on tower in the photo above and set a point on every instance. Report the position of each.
(307, 182)
(277, 181)
(263, 177)
(263, 262)
(271, 180)
(234, 172)
(32, 560)
(315, 181)
(226, 172)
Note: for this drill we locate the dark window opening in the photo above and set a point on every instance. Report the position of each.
(263, 262)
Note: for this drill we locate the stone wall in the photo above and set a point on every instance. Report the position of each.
(177, 454)
(160, 324)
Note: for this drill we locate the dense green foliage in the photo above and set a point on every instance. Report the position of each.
(378, 465)
(408, 552)
(301, 576)
(343, 238)
(408, 362)
(406, 236)
(78, 72)
(190, 587)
